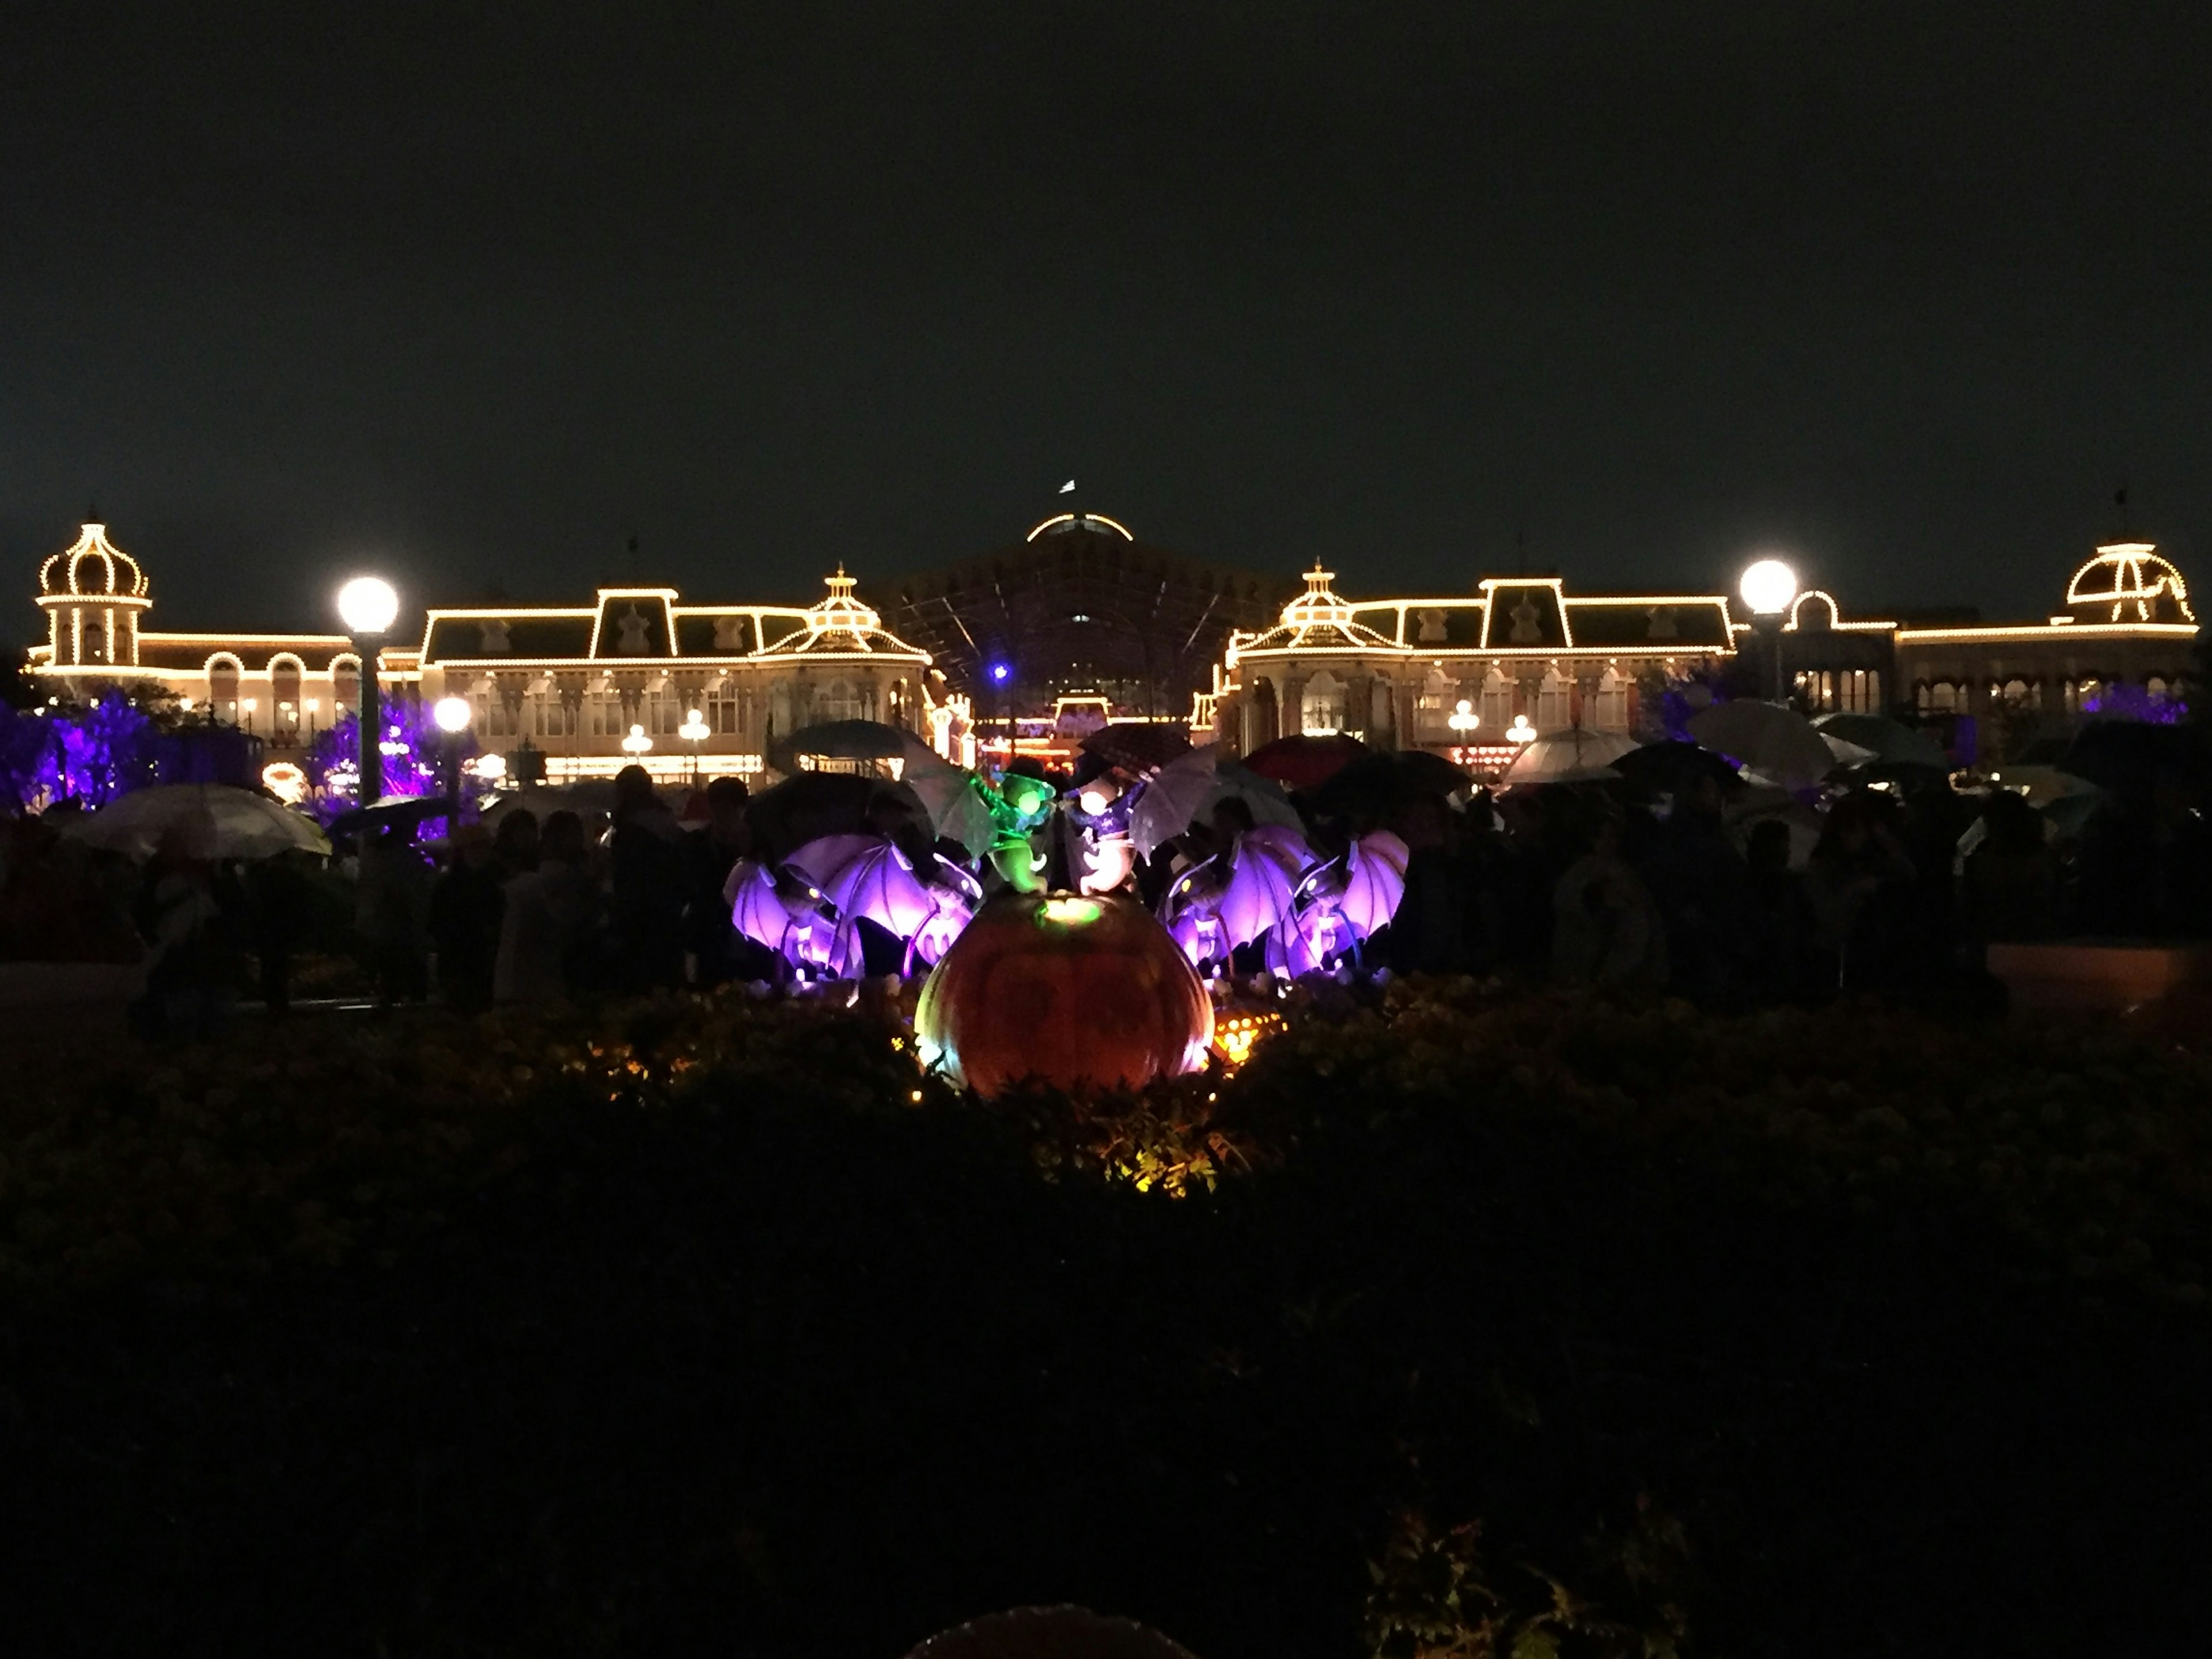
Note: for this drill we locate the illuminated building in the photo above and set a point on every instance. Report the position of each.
(1396, 671)
(1027, 649)
(590, 686)
(1393, 672)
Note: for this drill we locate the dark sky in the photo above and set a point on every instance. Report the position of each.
(473, 294)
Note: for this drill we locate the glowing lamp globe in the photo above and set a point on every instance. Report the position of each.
(367, 605)
(1078, 993)
(1768, 586)
(452, 715)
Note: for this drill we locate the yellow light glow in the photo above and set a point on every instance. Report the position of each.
(286, 782)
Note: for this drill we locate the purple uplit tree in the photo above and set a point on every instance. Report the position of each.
(90, 753)
(413, 749)
(2133, 702)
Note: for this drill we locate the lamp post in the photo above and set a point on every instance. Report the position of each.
(695, 731)
(1462, 719)
(366, 606)
(1768, 588)
(453, 715)
(637, 746)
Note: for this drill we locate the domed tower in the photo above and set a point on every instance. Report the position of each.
(2129, 582)
(92, 593)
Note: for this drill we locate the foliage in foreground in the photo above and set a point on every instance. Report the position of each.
(717, 1325)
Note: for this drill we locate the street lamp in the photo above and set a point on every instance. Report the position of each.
(637, 746)
(453, 715)
(1463, 719)
(368, 605)
(1769, 587)
(695, 731)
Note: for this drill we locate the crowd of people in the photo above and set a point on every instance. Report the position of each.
(1662, 883)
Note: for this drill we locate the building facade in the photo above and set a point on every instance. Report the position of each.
(1079, 623)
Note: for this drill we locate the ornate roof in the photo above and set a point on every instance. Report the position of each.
(1318, 621)
(2129, 582)
(94, 568)
(842, 626)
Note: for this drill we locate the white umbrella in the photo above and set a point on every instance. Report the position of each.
(1174, 795)
(1576, 754)
(948, 794)
(1885, 739)
(1777, 743)
(216, 820)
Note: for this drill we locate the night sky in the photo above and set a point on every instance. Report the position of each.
(472, 294)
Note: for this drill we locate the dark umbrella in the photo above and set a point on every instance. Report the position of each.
(2126, 757)
(1304, 762)
(392, 809)
(842, 740)
(809, 805)
(1381, 783)
(1673, 765)
(1137, 746)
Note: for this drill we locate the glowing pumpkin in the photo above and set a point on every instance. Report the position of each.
(1073, 991)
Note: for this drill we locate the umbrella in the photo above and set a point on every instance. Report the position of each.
(1374, 881)
(846, 740)
(1572, 756)
(1674, 765)
(1381, 782)
(810, 805)
(1889, 741)
(950, 796)
(1263, 796)
(1137, 746)
(1304, 762)
(1262, 882)
(2042, 785)
(585, 799)
(2126, 757)
(1778, 743)
(1172, 797)
(391, 809)
(218, 820)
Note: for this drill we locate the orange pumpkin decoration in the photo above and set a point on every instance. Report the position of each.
(1073, 991)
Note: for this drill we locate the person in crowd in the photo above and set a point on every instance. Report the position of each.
(650, 885)
(55, 905)
(1444, 922)
(719, 953)
(1694, 874)
(514, 844)
(278, 893)
(1777, 920)
(2010, 886)
(190, 914)
(549, 920)
(1861, 882)
(1606, 930)
(391, 910)
(464, 920)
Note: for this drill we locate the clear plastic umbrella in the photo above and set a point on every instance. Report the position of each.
(216, 820)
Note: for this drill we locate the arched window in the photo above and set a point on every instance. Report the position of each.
(284, 675)
(345, 685)
(1944, 697)
(722, 708)
(1611, 713)
(224, 674)
(1497, 710)
(838, 701)
(1321, 708)
(2156, 687)
(1554, 702)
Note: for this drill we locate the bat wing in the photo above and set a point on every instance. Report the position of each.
(1374, 882)
(756, 908)
(1259, 894)
(881, 885)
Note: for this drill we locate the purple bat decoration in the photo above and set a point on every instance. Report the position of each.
(1263, 876)
(756, 910)
(1374, 882)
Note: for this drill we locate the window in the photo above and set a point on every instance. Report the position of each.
(1321, 710)
(1554, 702)
(222, 690)
(284, 695)
(1612, 711)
